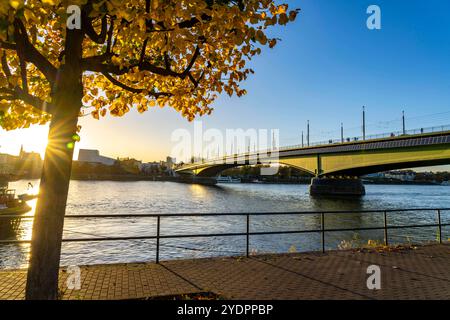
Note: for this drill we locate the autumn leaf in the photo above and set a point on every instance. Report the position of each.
(178, 54)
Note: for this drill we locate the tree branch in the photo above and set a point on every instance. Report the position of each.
(110, 35)
(7, 45)
(133, 90)
(191, 64)
(22, 62)
(88, 28)
(5, 66)
(31, 54)
(94, 64)
(19, 94)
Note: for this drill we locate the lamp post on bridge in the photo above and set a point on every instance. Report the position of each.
(342, 132)
(364, 123)
(307, 134)
(302, 139)
(403, 122)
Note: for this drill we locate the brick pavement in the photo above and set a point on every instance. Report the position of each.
(423, 273)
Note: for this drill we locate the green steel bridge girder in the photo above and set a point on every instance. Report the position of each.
(327, 161)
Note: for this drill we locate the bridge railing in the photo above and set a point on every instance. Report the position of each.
(392, 134)
(323, 230)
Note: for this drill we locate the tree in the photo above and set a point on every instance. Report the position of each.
(123, 54)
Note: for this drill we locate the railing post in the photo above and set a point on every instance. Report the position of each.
(248, 236)
(158, 224)
(386, 241)
(323, 231)
(439, 225)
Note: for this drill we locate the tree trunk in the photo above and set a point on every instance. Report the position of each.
(43, 270)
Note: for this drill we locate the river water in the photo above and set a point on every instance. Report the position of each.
(105, 197)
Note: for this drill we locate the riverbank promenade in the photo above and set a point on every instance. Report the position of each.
(406, 273)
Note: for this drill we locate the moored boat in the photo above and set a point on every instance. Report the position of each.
(228, 179)
(27, 197)
(10, 205)
(20, 208)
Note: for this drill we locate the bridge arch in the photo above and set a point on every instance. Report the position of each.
(215, 170)
(364, 170)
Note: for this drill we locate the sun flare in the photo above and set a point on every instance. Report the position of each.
(33, 139)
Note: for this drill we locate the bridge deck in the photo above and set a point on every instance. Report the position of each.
(383, 154)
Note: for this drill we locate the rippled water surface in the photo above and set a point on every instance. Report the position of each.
(103, 197)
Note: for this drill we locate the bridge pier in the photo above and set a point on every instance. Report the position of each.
(336, 187)
(207, 181)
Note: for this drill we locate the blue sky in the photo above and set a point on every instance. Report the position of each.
(327, 66)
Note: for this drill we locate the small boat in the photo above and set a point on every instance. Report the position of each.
(27, 197)
(445, 183)
(221, 179)
(20, 208)
(10, 205)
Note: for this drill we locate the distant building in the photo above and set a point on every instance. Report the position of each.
(379, 175)
(7, 159)
(401, 175)
(130, 165)
(151, 167)
(93, 156)
(170, 163)
(7, 163)
(159, 167)
(28, 164)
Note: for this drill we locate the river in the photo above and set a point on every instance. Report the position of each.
(104, 197)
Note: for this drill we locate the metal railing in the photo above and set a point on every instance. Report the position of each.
(392, 134)
(322, 230)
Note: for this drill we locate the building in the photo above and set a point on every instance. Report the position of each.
(28, 164)
(7, 163)
(406, 175)
(151, 167)
(93, 156)
(161, 167)
(131, 165)
(170, 163)
(378, 175)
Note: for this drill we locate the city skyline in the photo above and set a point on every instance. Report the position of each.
(339, 66)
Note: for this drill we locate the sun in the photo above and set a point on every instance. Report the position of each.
(33, 139)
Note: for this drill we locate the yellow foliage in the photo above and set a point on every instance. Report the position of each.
(192, 53)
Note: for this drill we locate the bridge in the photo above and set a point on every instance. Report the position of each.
(338, 165)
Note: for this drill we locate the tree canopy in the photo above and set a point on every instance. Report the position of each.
(135, 53)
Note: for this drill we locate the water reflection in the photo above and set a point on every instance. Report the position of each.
(9, 229)
(16, 254)
(104, 197)
(337, 203)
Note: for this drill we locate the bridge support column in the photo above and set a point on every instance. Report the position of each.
(208, 181)
(336, 187)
